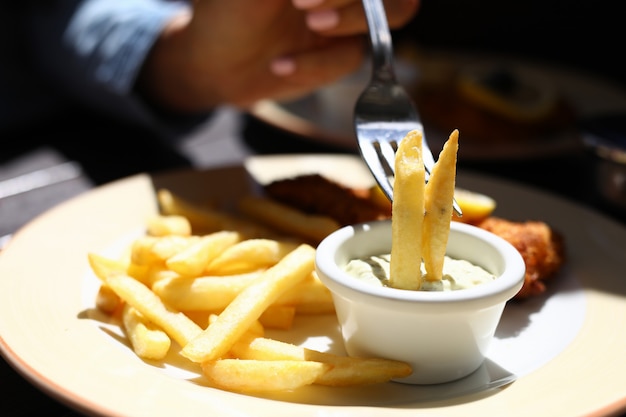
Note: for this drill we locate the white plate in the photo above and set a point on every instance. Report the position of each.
(567, 347)
(326, 115)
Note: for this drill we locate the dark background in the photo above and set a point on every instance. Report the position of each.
(583, 35)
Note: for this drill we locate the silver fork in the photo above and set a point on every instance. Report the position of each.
(384, 113)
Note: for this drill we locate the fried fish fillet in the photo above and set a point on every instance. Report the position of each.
(541, 247)
(315, 194)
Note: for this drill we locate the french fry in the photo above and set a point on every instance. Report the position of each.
(203, 318)
(249, 255)
(310, 291)
(207, 220)
(408, 214)
(287, 219)
(160, 225)
(199, 217)
(215, 293)
(148, 250)
(200, 317)
(210, 293)
(147, 340)
(103, 266)
(216, 340)
(177, 325)
(142, 251)
(345, 370)
(256, 328)
(107, 300)
(438, 198)
(313, 308)
(278, 317)
(193, 259)
(252, 375)
(156, 273)
(139, 272)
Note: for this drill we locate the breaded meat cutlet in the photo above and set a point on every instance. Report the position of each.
(541, 247)
(315, 194)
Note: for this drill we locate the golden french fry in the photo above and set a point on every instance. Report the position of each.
(278, 317)
(408, 214)
(345, 370)
(193, 260)
(252, 375)
(142, 253)
(202, 293)
(249, 255)
(155, 273)
(164, 225)
(200, 217)
(310, 291)
(287, 219)
(139, 272)
(103, 266)
(200, 317)
(148, 250)
(438, 198)
(256, 328)
(215, 293)
(147, 340)
(349, 371)
(207, 220)
(107, 300)
(177, 325)
(325, 307)
(217, 339)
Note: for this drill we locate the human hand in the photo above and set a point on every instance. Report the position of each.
(240, 51)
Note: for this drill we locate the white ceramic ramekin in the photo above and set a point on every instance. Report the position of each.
(443, 335)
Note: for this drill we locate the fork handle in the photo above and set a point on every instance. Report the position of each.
(380, 38)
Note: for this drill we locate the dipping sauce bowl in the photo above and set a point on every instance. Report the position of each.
(443, 335)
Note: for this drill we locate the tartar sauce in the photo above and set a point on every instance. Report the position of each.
(457, 274)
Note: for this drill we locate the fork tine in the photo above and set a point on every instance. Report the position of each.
(427, 156)
(388, 153)
(388, 149)
(371, 155)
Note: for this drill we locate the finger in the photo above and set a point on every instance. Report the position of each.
(322, 4)
(325, 64)
(349, 18)
(292, 76)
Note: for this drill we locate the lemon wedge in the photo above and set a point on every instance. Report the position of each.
(475, 206)
(378, 197)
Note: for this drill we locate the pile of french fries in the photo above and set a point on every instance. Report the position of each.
(208, 283)
(422, 212)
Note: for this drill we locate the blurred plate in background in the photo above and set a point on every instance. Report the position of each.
(433, 78)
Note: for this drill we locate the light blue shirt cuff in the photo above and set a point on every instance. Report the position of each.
(110, 39)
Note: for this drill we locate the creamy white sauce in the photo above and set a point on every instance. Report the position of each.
(457, 274)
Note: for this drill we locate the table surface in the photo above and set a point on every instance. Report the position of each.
(41, 176)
